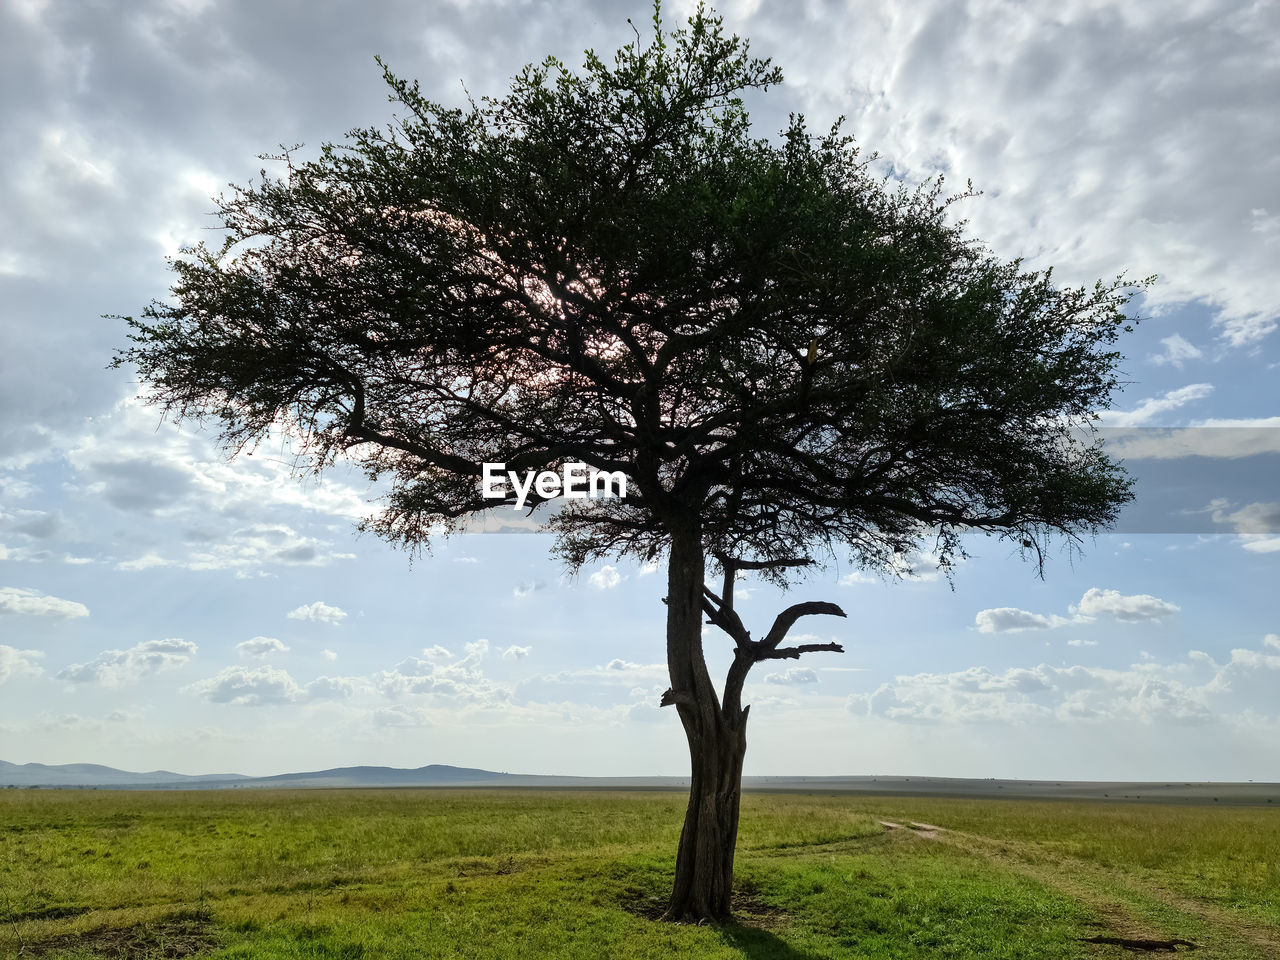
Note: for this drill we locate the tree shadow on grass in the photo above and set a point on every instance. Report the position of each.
(753, 931)
(758, 943)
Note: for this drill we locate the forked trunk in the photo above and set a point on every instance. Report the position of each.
(717, 744)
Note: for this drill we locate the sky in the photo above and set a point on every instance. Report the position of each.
(163, 606)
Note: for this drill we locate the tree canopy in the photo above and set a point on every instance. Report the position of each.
(788, 356)
(609, 267)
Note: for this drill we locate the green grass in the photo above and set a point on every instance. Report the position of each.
(1230, 858)
(444, 873)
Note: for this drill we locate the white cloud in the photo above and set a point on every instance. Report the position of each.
(1177, 350)
(249, 687)
(514, 652)
(35, 552)
(17, 600)
(606, 578)
(262, 545)
(460, 679)
(1090, 126)
(1132, 609)
(1010, 620)
(140, 464)
(265, 686)
(1153, 406)
(260, 647)
(145, 562)
(328, 655)
(1193, 690)
(1261, 544)
(793, 676)
(1255, 518)
(319, 612)
(617, 681)
(11, 489)
(856, 576)
(331, 688)
(918, 566)
(15, 662)
(1095, 603)
(1040, 694)
(527, 587)
(1208, 438)
(1248, 677)
(117, 668)
(1272, 640)
(187, 505)
(647, 569)
(973, 695)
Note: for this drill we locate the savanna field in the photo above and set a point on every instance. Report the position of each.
(529, 874)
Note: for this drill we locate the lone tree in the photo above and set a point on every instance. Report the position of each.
(789, 358)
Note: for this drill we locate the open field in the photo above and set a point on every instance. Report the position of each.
(504, 873)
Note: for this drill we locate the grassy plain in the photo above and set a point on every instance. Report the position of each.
(374, 874)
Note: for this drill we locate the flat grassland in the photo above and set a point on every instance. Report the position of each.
(530, 874)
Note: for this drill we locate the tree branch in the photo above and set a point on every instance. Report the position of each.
(670, 697)
(725, 618)
(787, 618)
(773, 564)
(793, 653)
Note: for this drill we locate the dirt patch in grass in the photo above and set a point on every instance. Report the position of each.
(748, 907)
(1144, 945)
(159, 940)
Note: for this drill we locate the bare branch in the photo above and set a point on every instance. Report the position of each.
(724, 618)
(773, 564)
(787, 618)
(793, 653)
(730, 568)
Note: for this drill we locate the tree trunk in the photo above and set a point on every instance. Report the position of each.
(704, 864)
(717, 744)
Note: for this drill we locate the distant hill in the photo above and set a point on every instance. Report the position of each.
(92, 775)
(432, 775)
(96, 775)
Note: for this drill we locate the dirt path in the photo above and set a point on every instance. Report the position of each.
(1089, 882)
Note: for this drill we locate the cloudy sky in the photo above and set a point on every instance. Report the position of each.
(163, 607)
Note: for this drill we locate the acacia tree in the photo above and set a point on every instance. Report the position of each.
(789, 358)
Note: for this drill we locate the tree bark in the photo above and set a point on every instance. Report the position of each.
(716, 730)
(717, 744)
